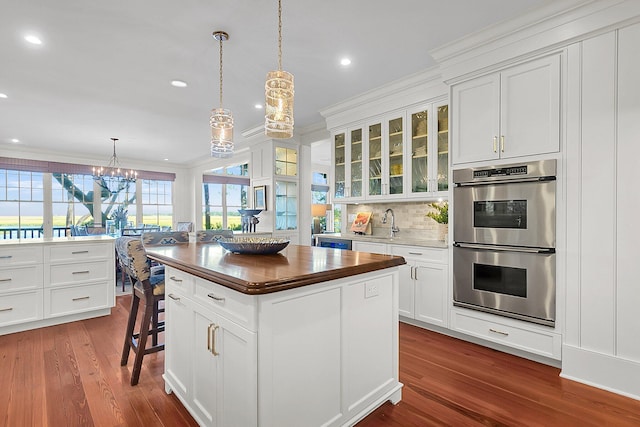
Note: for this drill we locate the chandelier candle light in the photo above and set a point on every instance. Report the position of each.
(221, 119)
(279, 92)
(113, 177)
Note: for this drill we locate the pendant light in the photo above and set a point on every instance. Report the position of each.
(279, 95)
(221, 119)
(114, 177)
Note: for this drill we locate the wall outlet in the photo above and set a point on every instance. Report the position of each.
(370, 290)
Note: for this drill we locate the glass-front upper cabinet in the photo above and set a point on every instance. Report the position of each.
(429, 151)
(356, 163)
(395, 133)
(286, 205)
(286, 161)
(348, 154)
(339, 162)
(375, 160)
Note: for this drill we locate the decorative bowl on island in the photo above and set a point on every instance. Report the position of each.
(254, 245)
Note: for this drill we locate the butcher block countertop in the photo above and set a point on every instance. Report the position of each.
(292, 267)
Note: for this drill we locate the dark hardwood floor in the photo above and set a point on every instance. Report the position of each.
(69, 375)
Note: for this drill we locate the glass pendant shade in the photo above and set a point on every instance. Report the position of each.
(221, 133)
(279, 91)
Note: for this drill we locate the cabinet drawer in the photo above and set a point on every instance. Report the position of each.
(63, 301)
(440, 256)
(178, 282)
(80, 252)
(233, 305)
(20, 307)
(13, 255)
(81, 272)
(20, 278)
(533, 340)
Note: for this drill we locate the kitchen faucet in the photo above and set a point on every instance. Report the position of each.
(394, 229)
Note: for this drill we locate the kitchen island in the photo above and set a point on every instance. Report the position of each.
(305, 337)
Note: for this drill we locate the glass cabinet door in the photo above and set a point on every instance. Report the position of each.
(396, 156)
(286, 205)
(420, 152)
(375, 159)
(356, 163)
(340, 172)
(286, 161)
(442, 179)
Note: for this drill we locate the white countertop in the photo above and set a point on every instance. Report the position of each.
(399, 239)
(77, 239)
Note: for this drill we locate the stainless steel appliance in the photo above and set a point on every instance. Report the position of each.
(333, 242)
(504, 240)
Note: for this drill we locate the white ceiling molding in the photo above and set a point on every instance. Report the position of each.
(544, 30)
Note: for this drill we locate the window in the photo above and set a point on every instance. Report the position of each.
(72, 201)
(157, 205)
(21, 204)
(125, 196)
(224, 191)
(320, 195)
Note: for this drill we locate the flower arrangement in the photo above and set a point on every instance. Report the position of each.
(441, 215)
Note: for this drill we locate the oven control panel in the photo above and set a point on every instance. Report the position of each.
(512, 170)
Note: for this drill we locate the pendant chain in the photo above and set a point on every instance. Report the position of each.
(221, 72)
(279, 35)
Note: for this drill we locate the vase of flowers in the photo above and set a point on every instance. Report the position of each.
(440, 214)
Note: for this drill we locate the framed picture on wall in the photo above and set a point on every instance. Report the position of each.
(260, 197)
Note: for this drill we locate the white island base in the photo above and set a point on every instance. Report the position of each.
(319, 355)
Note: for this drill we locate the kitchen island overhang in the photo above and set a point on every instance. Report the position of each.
(312, 340)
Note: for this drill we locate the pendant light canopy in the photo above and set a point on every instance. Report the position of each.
(279, 92)
(221, 119)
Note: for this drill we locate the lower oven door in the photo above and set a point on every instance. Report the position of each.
(512, 282)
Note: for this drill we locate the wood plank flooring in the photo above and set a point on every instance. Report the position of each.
(69, 375)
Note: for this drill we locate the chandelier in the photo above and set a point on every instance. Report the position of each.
(279, 92)
(221, 119)
(113, 177)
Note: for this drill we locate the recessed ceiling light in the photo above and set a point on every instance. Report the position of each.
(178, 83)
(166, 160)
(258, 106)
(33, 39)
(15, 140)
(345, 61)
(3, 95)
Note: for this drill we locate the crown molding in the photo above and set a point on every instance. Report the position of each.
(417, 87)
(543, 30)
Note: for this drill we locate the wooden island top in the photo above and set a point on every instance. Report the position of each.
(292, 267)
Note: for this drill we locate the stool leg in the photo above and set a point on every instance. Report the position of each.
(154, 324)
(142, 342)
(131, 323)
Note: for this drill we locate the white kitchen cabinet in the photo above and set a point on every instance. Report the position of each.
(349, 166)
(427, 154)
(385, 150)
(512, 113)
(423, 291)
(45, 283)
(210, 361)
(371, 247)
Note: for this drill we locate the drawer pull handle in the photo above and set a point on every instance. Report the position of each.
(175, 279)
(79, 252)
(81, 272)
(215, 298)
(5, 280)
(415, 253)
(6, 256)
(173, 297)
(506, 334)
(213, 329)
(6, 309)
(80, 298)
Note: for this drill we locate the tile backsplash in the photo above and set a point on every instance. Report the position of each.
(409, 216)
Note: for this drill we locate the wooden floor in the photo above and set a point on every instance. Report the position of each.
(69, 375)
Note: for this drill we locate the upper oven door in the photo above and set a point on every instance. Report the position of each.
(511, 213)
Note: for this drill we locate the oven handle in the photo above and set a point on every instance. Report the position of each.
(505, 181)
(506, 248)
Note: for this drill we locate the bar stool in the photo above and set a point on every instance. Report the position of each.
(212, 236)
(148, 288)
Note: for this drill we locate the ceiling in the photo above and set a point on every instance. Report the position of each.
(104, 68)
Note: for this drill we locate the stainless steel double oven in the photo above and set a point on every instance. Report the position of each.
(504, 235)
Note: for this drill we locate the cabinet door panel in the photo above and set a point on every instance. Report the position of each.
(406, 290)
(178, 341)
(476, 115)
(431, 286)
(530, 113)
